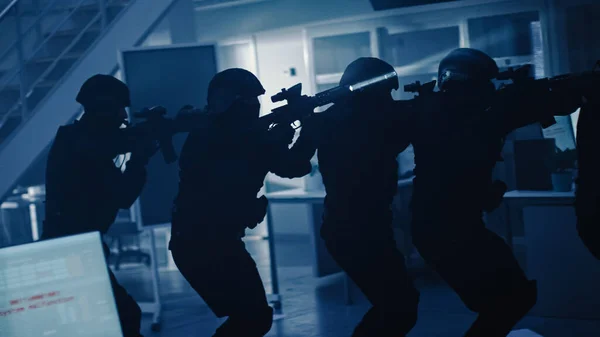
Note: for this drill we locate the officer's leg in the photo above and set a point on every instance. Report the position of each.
(372, 260)
(130, 313)
(224, 274)
(483, 271)
(589, 232)
(587, 205)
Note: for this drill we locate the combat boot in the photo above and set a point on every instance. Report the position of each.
(501, 319)
(373, 324)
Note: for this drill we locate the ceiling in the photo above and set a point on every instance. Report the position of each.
(213, 4)
(380, 5)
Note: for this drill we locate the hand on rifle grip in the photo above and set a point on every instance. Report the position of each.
(281, 134)
(144, 149)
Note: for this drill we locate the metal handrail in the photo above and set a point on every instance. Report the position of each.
(52, 65)
(7, 9)
(45, 11)
(56, 29)
(67, 49)
(19, 70)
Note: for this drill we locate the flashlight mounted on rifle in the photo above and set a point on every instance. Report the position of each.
(300, 106)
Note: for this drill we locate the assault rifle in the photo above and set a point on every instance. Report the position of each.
(301, 106)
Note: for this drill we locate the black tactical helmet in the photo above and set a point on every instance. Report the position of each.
(365, 68)
(234, 82)
(100, 91)
(466, 65)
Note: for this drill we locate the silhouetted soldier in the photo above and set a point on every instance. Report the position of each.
(84, 188)
(222, 169)
(457, 140)
(587, 202)
(357, 143)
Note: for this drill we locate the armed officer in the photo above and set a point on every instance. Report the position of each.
(357, 142)
(457, 137)
(222, 169)
(587, 195)
(84, 188)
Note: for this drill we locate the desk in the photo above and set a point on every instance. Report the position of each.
(517, 200)
(322, 262)
(568, 275)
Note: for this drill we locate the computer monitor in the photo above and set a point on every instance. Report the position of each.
(58, 287)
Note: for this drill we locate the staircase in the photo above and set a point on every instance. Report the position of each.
(48, 48)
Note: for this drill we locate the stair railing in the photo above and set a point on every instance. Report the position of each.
(25, 89)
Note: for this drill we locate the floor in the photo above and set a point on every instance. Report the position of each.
(316, 307)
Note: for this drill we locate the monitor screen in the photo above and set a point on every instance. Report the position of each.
(58, 287)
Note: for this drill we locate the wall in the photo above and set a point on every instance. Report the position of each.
(161, 36)
(177, 26)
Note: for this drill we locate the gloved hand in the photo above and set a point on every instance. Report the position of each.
(280, 134)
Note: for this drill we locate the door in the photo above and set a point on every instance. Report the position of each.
(172, 77)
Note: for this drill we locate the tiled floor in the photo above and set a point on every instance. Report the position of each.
(314, 307)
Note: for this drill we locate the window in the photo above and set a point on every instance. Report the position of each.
(426, 47)
(416, 55)
(332, 54)
(503, 35)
